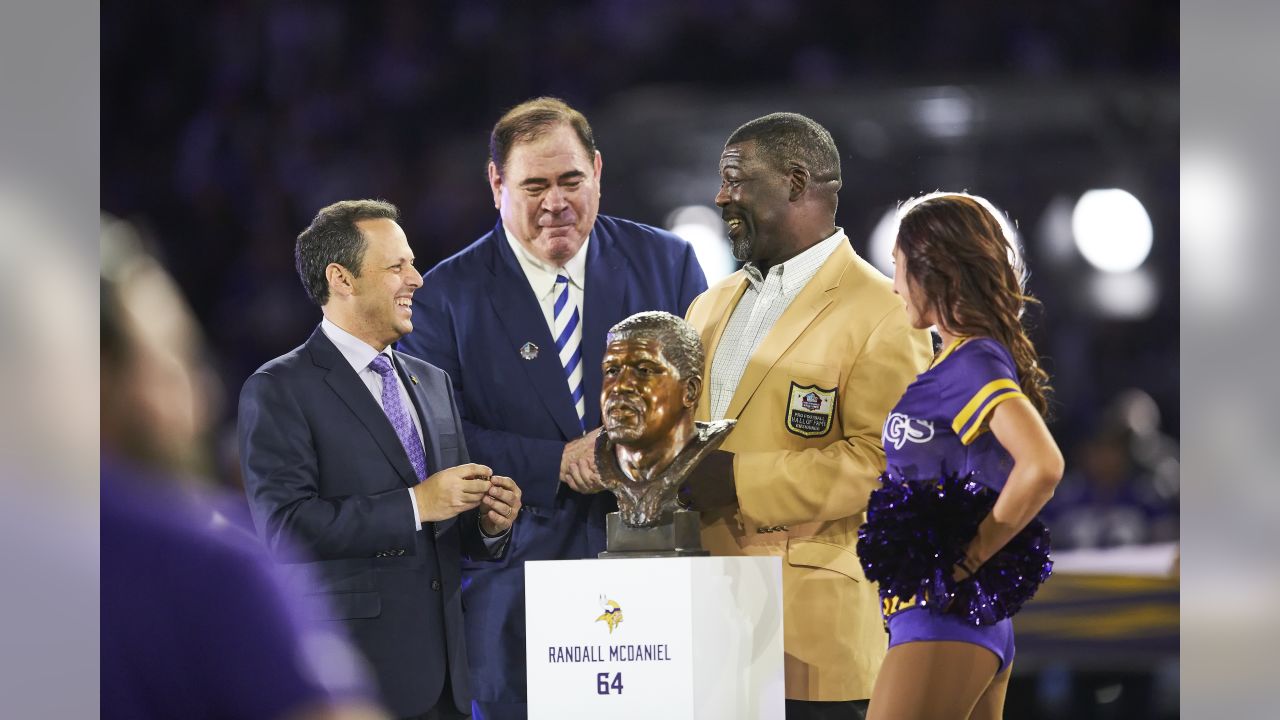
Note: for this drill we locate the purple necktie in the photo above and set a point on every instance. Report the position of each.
(399, 416)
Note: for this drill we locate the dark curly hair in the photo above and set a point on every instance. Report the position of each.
(960, 257)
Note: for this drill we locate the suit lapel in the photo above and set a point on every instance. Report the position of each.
(811, 301)
(721, 306)
(430, 430)
(606, 288)
(522, 321)
(355, 394)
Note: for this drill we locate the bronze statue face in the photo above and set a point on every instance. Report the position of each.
(643, 399)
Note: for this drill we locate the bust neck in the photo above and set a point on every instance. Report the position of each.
(643, 464)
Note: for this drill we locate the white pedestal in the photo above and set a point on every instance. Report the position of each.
(699, 637)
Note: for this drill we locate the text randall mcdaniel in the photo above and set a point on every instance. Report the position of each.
(616, 653)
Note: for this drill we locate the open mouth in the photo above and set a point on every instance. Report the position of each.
(735, 226)
(405, 303)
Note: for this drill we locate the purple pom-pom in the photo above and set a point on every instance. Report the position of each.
(916, 532)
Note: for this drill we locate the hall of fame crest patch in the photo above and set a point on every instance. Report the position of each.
(810, 409)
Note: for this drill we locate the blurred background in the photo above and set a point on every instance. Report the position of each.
(228, 124)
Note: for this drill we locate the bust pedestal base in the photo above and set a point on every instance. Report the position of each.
(682, 537)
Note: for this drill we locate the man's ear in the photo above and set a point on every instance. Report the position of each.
(341, 281)
(692, 390)
(495, 184)
(798, 178)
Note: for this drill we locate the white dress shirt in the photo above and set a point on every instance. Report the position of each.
(359, 354)
(542, 279)
(762, 303)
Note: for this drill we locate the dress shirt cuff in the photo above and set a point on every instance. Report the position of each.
(417, 519)
(495, 544)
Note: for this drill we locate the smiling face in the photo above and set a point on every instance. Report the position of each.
(380, 298)
(549, 194)
(643, 398)
(753, 199)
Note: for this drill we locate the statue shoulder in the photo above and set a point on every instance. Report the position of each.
(714, 430)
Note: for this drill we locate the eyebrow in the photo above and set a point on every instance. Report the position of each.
(642, 359)
(571, 175)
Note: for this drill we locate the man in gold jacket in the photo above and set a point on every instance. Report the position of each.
(808, 348)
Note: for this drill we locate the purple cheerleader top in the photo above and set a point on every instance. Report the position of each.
(944, 473)
(939, 427)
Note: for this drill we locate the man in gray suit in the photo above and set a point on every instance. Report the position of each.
(354, 453)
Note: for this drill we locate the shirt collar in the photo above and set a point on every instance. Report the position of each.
(541, 275)
(356, 351)
(799, 270)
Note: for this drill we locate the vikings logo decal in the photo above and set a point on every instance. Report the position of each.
(612, 614)
(900, 429)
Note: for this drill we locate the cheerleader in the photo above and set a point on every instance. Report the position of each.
(970, 464)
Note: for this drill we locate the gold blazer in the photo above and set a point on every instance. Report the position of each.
(810, 407)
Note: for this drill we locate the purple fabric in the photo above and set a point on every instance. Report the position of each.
(917, 624)
(399, 416)
(197, 622)
(920, 442)
(923, 441)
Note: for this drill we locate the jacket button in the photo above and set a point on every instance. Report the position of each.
(435, 584)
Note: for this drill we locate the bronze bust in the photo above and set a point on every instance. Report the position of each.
(652, 379)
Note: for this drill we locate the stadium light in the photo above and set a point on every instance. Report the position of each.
(704, 229)
(1112, 230)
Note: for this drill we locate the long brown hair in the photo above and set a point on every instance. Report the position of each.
(960, 257)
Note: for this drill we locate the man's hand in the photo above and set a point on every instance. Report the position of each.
(711, 484)
(451, 491)
(500, 506)
(578, 464)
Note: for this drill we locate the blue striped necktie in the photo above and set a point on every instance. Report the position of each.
(569, 344)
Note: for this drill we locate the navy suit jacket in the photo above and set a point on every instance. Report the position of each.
(472, 315)
(325, 473)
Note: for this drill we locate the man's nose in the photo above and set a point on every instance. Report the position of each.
(414, 278)
(626, 380)
(722, 197)
(555, 200)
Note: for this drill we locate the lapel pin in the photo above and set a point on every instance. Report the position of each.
(413, 379)
(528, 351)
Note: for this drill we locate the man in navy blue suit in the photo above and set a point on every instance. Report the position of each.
(354, 453)
(518, 320)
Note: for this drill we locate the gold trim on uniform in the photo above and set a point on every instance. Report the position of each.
(976, 404)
